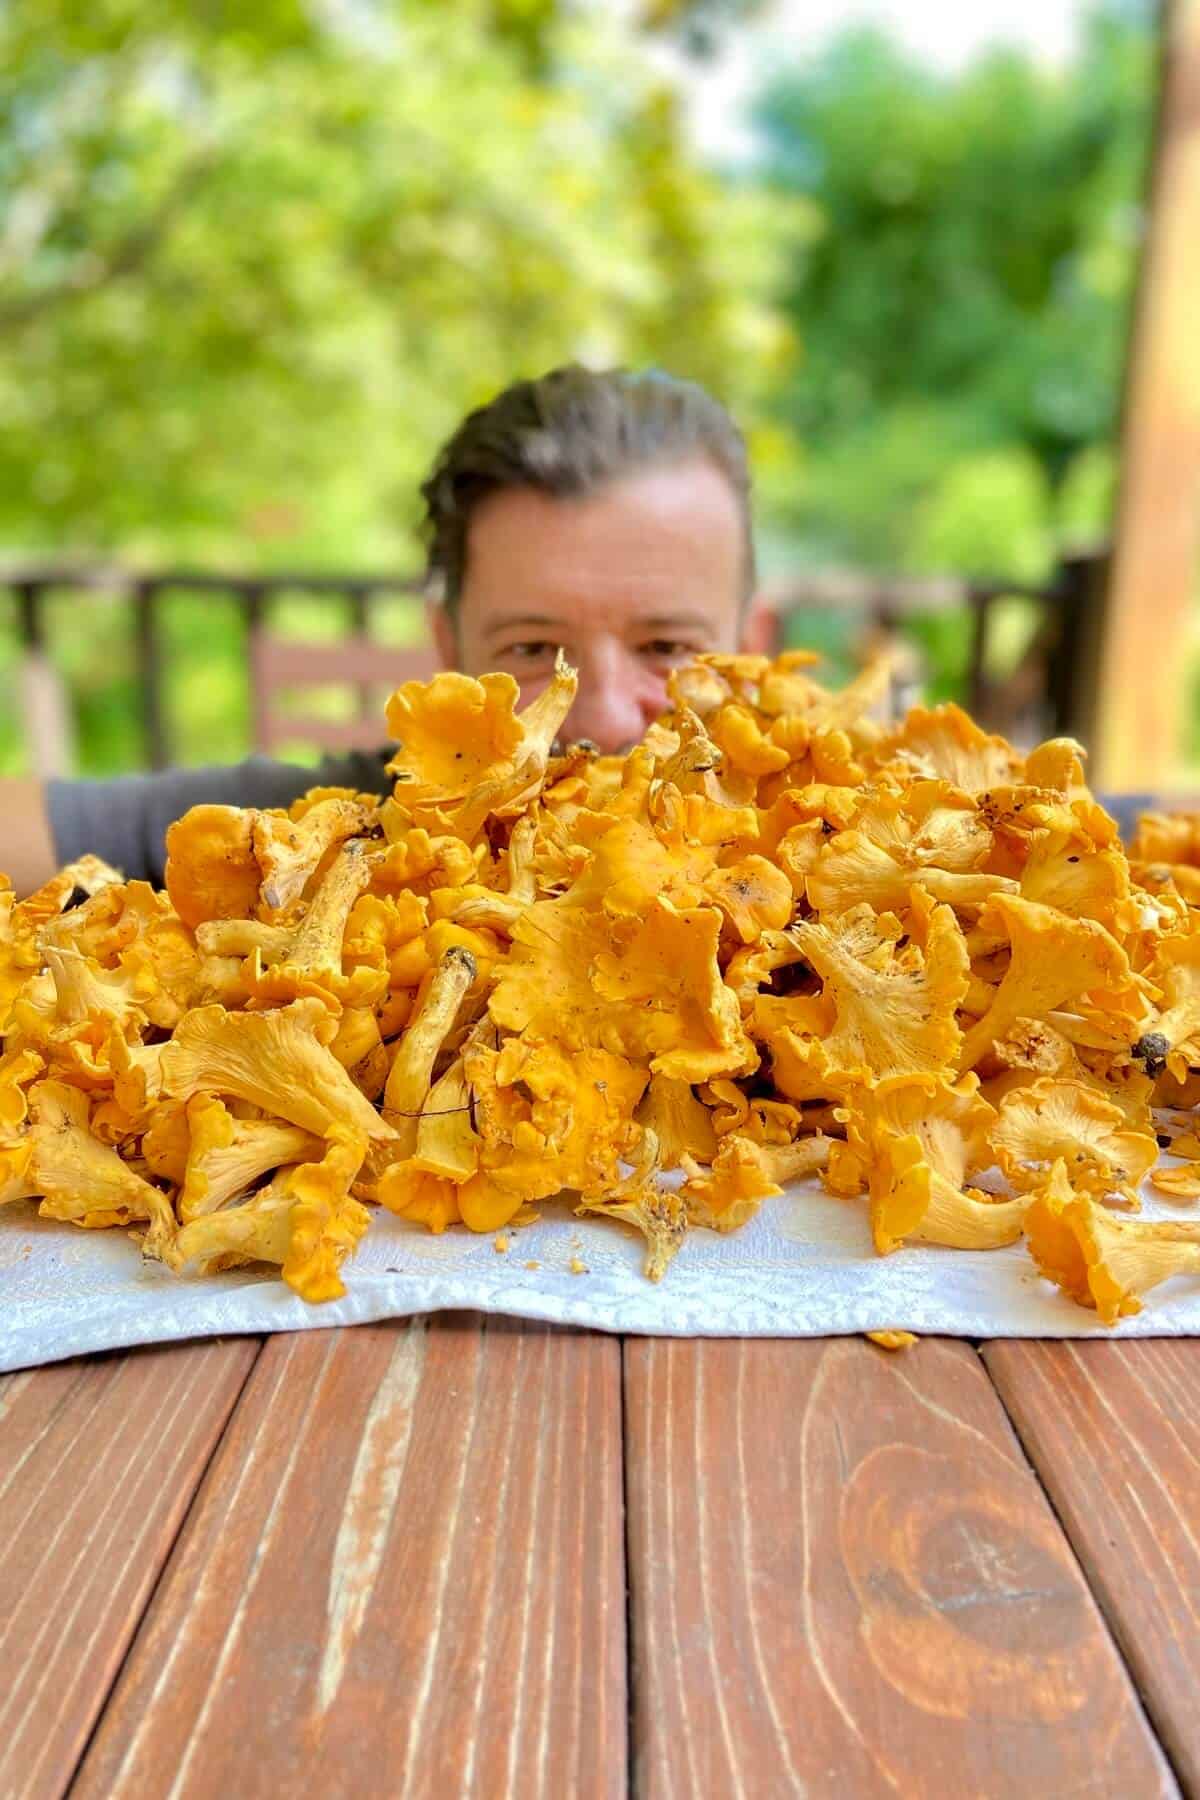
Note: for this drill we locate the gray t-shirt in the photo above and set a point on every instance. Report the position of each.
(125, 821)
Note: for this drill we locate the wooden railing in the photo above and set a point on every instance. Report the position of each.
(1051, 677)
(1049, 673)
(46, 727)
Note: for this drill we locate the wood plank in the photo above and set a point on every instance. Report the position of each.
(1113, 1431)
(280, 664)
(845, 1579)
(404, 1576)
(284, 662)
(1143, 664)
(99, 1459)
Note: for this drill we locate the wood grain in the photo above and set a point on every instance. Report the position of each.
(279, 666)
(1113, 1431)
(845, 1580)
(99, 1459)
(1143, 660)
(403, 1576)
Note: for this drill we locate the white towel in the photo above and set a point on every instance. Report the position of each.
(803, 1268)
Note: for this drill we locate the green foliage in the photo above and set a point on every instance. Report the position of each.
(255, 263)
(990, 511)
(258, 262)
(963, 306)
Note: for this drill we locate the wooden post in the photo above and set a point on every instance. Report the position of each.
(253, 603)
(1073, 645)
(150, 673)
(45, 713)
(1143, 659)
(360, 626)
(978, 687)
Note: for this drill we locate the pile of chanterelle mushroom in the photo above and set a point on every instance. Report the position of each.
(775, 938)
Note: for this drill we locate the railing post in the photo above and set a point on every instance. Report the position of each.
(29, 619)
(359, 624)
(980, 602)
(45, 715)
(149, 673)
(1075, 647)
(253, 604)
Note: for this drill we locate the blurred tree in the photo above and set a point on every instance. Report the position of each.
(254, 264)
(963, 306)
(701, 26)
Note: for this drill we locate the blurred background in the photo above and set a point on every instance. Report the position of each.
(256, 263)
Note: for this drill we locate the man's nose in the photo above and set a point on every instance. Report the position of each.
(617, 700)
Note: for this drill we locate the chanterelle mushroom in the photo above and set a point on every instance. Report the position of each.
(276, 1059)
(776, 939)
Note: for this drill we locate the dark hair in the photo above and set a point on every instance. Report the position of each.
(569, 433)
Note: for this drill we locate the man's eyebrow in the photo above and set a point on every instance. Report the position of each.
(650, 621)
(520, 620)
(674, 621)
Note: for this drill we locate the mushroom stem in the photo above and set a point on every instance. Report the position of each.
(411, 1072)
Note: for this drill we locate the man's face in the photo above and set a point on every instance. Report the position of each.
(628, 583)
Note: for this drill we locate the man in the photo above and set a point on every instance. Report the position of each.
(604, 513)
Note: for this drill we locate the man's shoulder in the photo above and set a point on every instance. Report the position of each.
(125, 819)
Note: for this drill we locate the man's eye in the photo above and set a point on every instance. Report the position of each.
(534, 650)
(668, 650)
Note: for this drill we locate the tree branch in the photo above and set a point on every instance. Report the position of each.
(129, 254)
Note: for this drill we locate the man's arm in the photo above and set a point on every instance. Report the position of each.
(125, 821)
(26, 844)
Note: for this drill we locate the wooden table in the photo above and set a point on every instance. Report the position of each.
(456, 1555)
